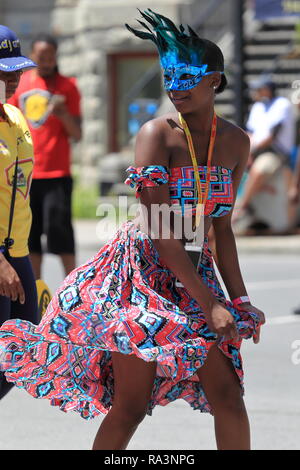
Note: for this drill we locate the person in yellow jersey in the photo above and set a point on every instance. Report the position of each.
(18, 297)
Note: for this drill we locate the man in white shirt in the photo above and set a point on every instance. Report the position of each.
(271, 127)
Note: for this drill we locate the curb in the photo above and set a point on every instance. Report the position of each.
(289, 244)
(87, 237)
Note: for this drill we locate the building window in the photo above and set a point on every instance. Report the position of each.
(135, 87)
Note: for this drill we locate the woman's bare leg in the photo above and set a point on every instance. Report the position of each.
(133, 384)
(223, 391)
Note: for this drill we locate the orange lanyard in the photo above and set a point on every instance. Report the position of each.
(201, 199)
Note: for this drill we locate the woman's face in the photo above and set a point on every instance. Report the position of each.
(11, 80)
(193, 99)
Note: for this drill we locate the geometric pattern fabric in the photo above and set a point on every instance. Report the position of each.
(122, 300)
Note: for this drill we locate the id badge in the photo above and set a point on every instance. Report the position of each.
(194, 252)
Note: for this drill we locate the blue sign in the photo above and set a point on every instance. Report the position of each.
(273, 8)
(139, 112)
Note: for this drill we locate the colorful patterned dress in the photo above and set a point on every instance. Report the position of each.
(125, 300)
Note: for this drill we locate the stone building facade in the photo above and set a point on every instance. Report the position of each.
(90, 32)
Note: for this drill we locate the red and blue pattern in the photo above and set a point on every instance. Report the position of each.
(146, 176)
(182, 185)
(122, 300)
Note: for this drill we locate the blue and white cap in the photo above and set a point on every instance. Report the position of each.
(11, 58)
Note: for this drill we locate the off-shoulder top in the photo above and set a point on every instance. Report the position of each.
(182, 186)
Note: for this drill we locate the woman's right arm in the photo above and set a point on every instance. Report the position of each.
(151, 149)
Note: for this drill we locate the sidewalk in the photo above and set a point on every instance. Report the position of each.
(90, 234)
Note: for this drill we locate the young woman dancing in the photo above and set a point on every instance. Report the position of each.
(139, 325)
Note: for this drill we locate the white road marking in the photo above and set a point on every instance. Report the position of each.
(282, 320)
(284, 283)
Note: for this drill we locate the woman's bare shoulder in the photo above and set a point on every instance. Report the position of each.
(234, 133)
(151, 147)
(236, 142)
(235, 138)
(158, 125)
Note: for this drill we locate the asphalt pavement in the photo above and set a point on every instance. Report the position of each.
(271, 270)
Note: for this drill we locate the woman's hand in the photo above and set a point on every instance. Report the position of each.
(10, 284)
(247, 307)
(221, 321)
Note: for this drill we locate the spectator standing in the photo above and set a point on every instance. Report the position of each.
(18, 296)
(51, 105)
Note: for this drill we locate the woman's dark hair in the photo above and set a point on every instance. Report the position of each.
(44, 37)
(222, 85)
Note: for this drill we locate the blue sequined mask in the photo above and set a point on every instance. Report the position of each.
(184, 57)
(183, 76)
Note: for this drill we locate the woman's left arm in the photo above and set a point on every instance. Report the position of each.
(225, 246)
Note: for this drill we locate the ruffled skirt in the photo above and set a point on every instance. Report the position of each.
(123, 300)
